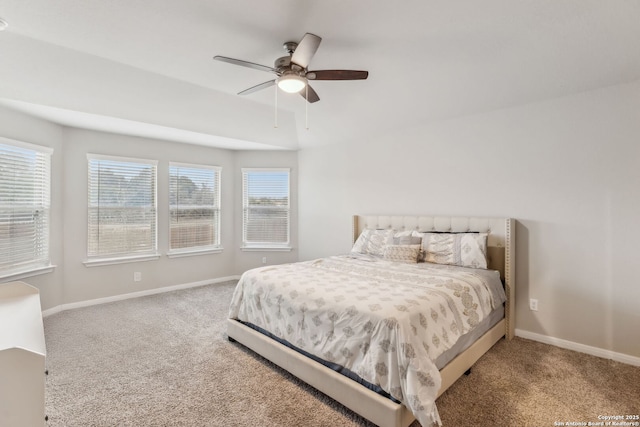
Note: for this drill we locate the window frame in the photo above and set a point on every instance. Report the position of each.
(216, 247)
(109, 259)
(265, 246)
(41, 265)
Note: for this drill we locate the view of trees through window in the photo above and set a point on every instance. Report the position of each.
(266, 208)
(122, 207)
(194, 206)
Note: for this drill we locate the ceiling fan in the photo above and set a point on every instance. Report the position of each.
(292, 70)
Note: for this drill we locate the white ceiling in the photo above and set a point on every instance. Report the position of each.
(146, 65)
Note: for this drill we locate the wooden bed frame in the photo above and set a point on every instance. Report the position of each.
(370, 405)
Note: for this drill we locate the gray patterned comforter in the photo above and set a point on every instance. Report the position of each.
(387, 322)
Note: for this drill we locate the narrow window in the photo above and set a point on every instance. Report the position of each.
(266, 208)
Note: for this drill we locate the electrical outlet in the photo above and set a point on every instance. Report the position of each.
(533, 304)
(137, 276)
(264, 259)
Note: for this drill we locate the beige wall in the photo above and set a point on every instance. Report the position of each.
(72, 281)
(567, 169)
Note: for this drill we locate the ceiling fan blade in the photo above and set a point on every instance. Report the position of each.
(337, 75)
(313, 96)
(257, 87)
(305, 50)
(245, 64)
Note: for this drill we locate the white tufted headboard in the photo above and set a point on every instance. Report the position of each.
(500, 242)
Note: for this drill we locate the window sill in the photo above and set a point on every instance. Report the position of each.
(266, 248)
(120, 260)
(193, 252)
(27, 273)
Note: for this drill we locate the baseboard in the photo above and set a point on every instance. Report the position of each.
(70, 306)
(570, 345)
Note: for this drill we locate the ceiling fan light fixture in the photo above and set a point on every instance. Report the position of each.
(291, 83)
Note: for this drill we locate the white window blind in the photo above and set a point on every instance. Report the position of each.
(25, 188)
(122, 207)
(194, 205)
(266, 207)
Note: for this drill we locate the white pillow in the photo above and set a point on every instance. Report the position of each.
(463, 249)
(372, 242)
(406, 238)
(402, 253)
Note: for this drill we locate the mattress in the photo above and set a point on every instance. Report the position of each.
(386, 322)
(465, 341)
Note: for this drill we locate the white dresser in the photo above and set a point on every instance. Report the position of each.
(22, 356)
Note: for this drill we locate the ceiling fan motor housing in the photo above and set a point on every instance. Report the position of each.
(282, 63)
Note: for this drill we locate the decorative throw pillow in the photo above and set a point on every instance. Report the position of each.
(372, 242)
(402, 253)
(463, 249)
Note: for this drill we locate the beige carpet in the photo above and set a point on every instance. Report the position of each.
(164, 360)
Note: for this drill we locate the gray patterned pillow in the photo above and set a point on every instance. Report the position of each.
(372, 242)
(402, 253)
(463, 249)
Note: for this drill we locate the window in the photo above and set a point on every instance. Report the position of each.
(266, 208)
(194, 206)
(122, 208)
(25, 189)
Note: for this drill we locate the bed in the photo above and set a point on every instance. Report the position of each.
(376, 366)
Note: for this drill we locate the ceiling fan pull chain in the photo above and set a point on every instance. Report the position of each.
(275, 120)
(306, 106)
